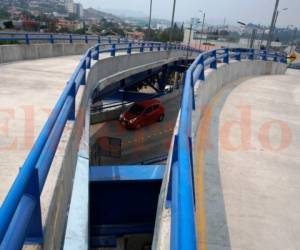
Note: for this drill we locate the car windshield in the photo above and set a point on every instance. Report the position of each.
(136, 109)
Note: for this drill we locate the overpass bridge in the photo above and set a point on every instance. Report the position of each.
(232, 154)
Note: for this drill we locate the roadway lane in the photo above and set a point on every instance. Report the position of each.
(28, 90)
(248, 166)
(143, 144)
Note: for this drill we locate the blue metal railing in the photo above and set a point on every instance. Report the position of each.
(20, 213)
(28, 38)
(181, 185)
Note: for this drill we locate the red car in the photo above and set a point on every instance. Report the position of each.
(143, 113)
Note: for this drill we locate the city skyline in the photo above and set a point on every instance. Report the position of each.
(242, 10)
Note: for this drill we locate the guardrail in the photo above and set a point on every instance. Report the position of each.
(20, 213)
(28, 38)
(181, 186)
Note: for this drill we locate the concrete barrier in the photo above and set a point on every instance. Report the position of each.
(227, 73)
(12, 53)
(204, 92)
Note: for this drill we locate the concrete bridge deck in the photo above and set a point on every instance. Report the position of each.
(248, 166)
(29, 91)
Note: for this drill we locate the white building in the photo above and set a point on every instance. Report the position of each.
(74, 8)
(78, 9)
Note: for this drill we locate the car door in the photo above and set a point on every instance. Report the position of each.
(148, 115)
(155, 113)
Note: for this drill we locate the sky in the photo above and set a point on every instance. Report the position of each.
(255, 11)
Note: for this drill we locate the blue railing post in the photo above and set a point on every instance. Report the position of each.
(27, 219)
(84, 67)
(158, 47)
(264, 56)
(202, 75)
(98, 39)
(251, 54)
(118, 40)
(129, 48)
(71, 38)
(109, 39)
(238, 54)
(86, 39)
(72, 93)
(275, 57)
(151, 46)
(165, 46)
(89, 58)
(35, 228)
(27, 39)
(113, 50)
(213, 65)
(51, 38)
(97, 51)
(226, 58)
(142, 47)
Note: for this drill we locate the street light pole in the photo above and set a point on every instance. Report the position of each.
(202, 30)
(149, 25)
(189, 42)
(275, 13)
(293, 39)
(172, 22)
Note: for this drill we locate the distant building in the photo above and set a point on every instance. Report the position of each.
(78, 10)
(70, 7)
(135, 35)
(62, 23)
(60, 15)
(74, 8)
(30, 25)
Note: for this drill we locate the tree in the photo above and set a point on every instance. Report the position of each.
(4, 14)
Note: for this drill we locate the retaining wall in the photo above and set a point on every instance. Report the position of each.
(12, 53)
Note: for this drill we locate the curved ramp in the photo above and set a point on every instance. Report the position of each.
(29, 90)
(247, 165)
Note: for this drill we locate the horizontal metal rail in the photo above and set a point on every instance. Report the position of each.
(181, 197)
(20, 212)
(55, 37)
(28, 38)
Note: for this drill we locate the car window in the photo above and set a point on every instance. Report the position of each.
(148, 110)
(136, 109)
(155, 107)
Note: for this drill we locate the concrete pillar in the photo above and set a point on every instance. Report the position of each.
(176, 78)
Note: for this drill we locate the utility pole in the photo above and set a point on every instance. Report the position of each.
(293, 39)
(275, 13)
(172, 22)
(189, 42)
(253, 38)
(202, 30)
(149, 25)
(262, 38)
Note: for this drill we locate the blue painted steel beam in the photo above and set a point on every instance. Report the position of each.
(126, 173)
(117, 230)
(127, 96)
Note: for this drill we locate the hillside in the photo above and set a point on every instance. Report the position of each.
(96, 14)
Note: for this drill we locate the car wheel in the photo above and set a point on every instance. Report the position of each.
(161, 118)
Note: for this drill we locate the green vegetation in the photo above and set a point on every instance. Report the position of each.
(4, 14)
(163, 35)
(107, 28)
